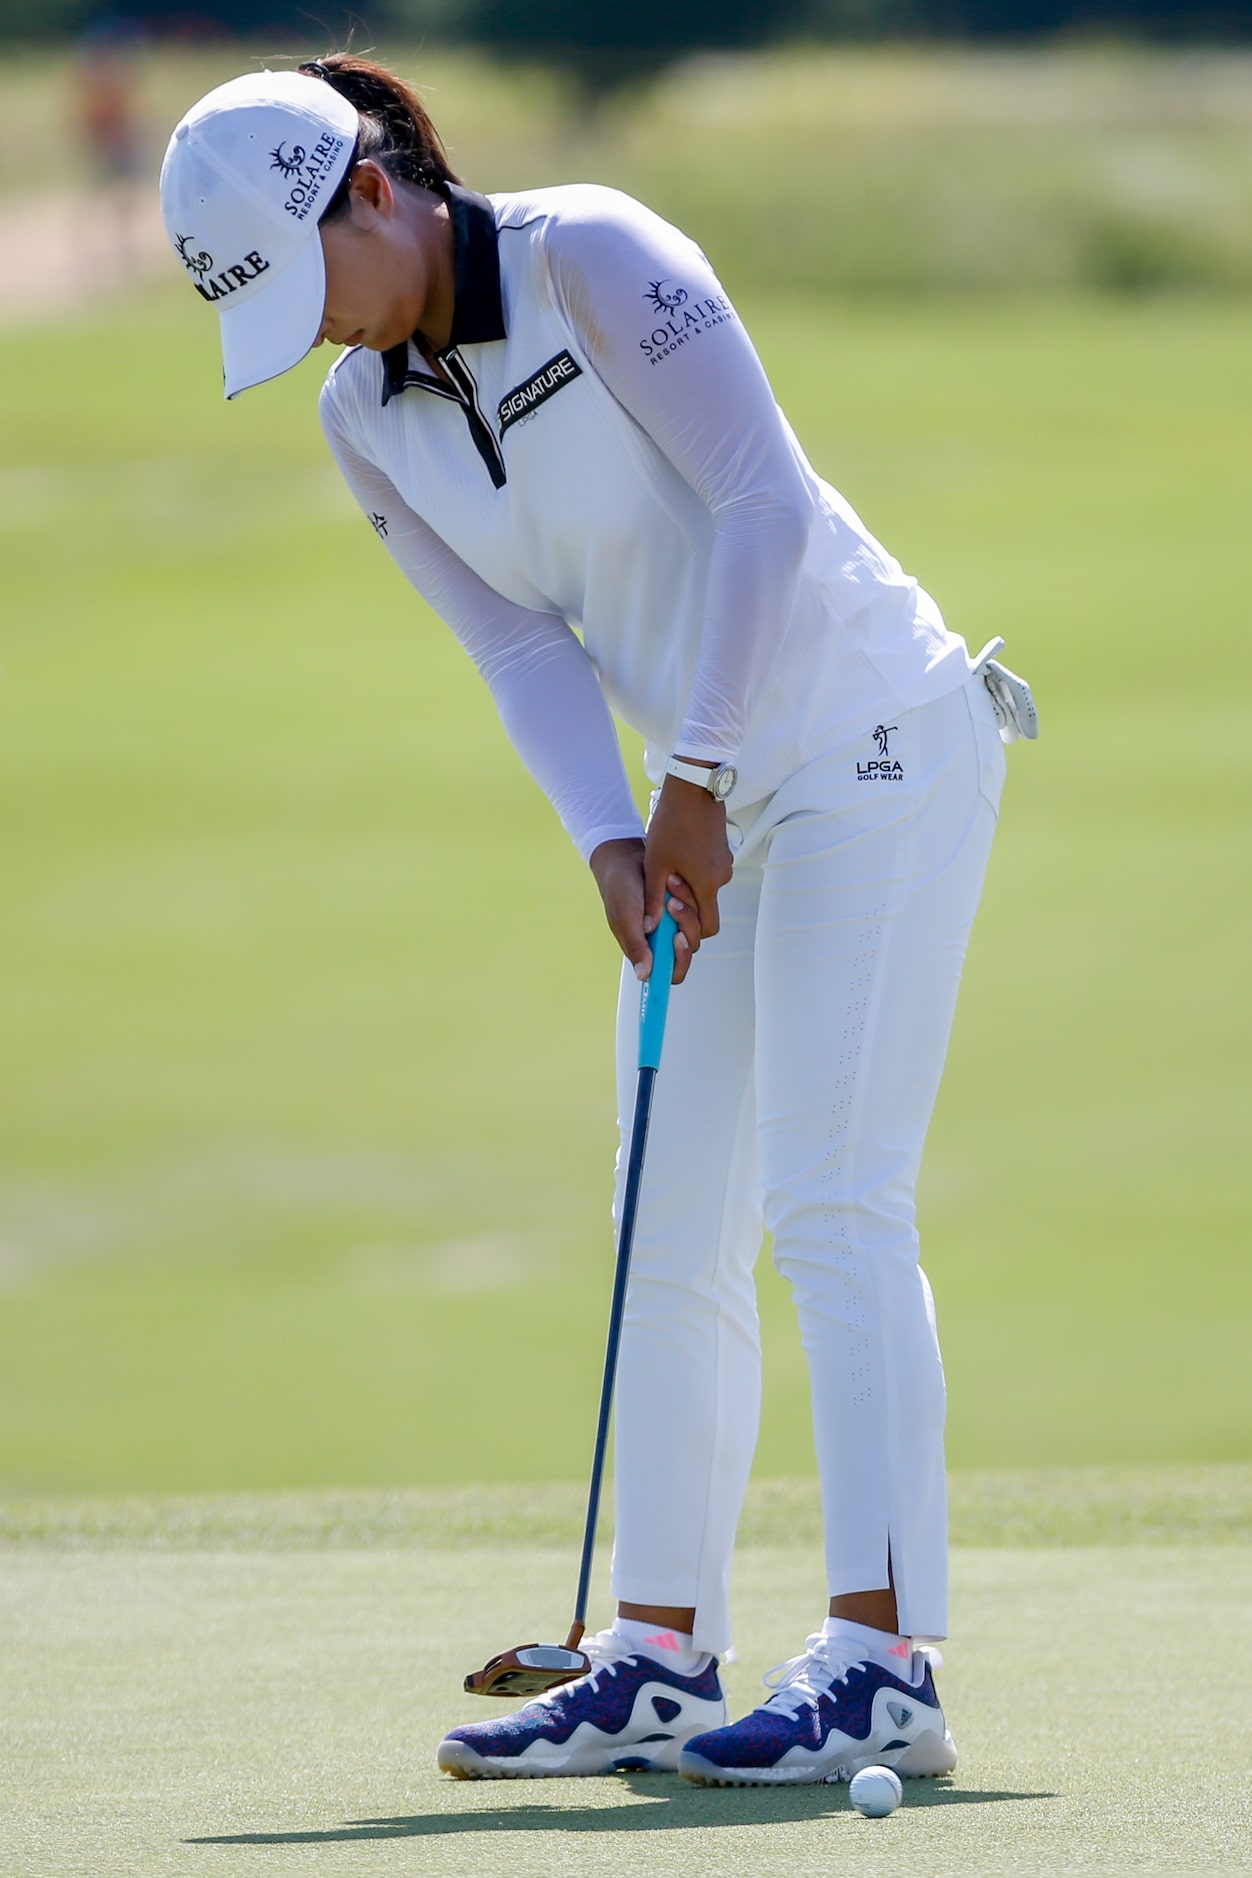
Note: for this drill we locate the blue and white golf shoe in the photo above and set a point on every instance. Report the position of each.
(831, 1714)
(629, 1714)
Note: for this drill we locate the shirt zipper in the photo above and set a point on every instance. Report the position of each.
(463, 390)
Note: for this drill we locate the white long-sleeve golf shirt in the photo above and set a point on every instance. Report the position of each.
(603, 500)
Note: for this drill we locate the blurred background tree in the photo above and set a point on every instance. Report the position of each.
(605, 44)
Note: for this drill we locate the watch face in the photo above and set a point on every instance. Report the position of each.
(724, 781)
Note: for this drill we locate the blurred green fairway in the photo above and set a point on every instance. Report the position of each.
(872, 166)
(257, 1686)
(306, 1006)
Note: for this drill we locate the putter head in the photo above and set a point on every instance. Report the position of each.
(528, 1670)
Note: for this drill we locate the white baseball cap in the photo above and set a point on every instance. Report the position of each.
(247, 173)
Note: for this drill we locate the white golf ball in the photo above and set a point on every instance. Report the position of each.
(875, 1791)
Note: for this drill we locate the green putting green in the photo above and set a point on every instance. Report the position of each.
(257, 1685)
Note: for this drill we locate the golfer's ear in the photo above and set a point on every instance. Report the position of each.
(372, 193)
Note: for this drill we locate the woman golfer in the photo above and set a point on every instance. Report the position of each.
(550, 413)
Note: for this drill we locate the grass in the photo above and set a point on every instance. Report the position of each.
(307, 1117)
(227, 1706)
(1062, 1507)
(858, 167)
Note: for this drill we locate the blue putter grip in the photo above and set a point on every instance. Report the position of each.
(654, 996)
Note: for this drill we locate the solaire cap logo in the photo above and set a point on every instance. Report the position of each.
(305, 173)
(194, 263)
(287, 161)
(250, 168)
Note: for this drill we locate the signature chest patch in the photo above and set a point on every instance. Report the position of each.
(525, 399)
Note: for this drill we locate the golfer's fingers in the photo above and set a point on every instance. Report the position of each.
(654, 895)
(622, 891)
(628, 931)
(680, 901)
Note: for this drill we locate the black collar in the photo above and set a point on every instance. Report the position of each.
(477, 307)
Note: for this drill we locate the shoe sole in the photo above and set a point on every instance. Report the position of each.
(460, 1760)
(927, 1758)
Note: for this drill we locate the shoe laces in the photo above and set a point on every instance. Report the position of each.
(823, 1662)
(802, 1680)
(606, 1650)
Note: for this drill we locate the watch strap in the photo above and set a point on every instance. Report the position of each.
(696, 773)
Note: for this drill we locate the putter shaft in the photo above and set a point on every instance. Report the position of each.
(533, 1666)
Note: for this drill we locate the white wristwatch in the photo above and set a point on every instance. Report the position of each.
(719, 781)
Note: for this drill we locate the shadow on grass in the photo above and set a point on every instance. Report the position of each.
(673, 1805)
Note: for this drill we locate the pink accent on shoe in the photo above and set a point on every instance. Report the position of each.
(904, 1648)
(665, 1640)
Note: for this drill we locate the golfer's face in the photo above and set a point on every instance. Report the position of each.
(376, 283)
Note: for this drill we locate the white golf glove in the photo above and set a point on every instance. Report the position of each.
(1011, 698)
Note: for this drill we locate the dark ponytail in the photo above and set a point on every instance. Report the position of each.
(395, 132)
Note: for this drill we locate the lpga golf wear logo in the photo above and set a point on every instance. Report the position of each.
(681, 318)
(306, 174)
(883, 768)
(524, 400)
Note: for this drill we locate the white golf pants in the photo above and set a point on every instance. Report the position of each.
(802, 1060)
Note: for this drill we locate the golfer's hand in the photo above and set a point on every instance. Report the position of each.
(687, 858)
(618, 870)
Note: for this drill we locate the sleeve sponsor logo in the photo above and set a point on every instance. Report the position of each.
(232, 278)
(666, 295)
(525, 399)
(306, 174)
(378, 522)
(681, 319)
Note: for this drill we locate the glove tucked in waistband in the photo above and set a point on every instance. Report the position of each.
(1011, 697)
